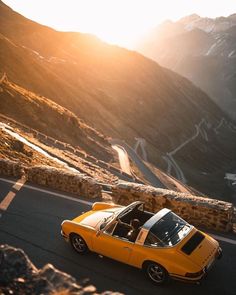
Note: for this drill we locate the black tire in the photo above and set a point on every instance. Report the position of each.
(156, 273)
(78, 244)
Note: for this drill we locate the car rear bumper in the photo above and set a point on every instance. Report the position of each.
(217, 256)
(219, 253)
(205, 271)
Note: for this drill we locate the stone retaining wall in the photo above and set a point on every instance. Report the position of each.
(62, 180)
(203, 212)
(199, 211)
(11, 168)
(58, 179)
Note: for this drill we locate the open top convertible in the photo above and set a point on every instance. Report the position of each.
(163, 244)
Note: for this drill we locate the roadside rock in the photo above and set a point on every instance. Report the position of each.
(18, 146)
(19, 276)
(14, 264)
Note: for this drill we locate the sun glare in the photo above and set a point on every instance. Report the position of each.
(119, 22)
(116, 21)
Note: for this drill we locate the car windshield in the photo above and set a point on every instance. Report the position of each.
(130, 208)
(119, 213)
(106, 220)
(170, 229)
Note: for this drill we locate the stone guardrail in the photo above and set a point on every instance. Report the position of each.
(209, 213)
(11, 168)
(199, 211)
(58, 179)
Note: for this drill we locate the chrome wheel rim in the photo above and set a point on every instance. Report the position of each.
(79, 244)
(156, 273)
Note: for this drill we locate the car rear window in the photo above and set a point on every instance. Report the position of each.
(170, 229)
(192, 243)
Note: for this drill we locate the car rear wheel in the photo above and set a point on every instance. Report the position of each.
(78, 243)
(156, 273)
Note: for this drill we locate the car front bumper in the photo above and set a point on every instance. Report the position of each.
(66, 238)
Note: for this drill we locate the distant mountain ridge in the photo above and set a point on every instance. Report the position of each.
(121, 94)
(209, 25)
(201, 49)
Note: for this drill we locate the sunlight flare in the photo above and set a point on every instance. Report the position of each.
(116, 21)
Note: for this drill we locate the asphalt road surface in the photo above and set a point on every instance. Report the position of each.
(146, 171)
(32, 222)
(123, 159)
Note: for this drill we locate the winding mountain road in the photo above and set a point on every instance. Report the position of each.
(123, 159)
(145, 170)
(32, 222)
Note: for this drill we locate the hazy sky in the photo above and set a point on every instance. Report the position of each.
(116, 21)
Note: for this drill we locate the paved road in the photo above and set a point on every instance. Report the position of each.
(146, 171)
(123, 159)
(32, 222)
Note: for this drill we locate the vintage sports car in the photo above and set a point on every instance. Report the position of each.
(162, 244)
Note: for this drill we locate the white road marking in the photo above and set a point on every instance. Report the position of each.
(5, 203)
(18, 185)
(217, 237)
(50, 193)
(223, 239)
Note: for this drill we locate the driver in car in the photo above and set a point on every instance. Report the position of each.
(133, 227)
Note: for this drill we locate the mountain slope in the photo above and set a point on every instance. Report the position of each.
(50, 118)
(121, 93)
(201, 49)
(97, 80)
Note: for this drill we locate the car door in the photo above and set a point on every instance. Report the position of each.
(114, 247)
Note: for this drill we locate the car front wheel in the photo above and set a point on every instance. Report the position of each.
(156, 273)
(78, 244)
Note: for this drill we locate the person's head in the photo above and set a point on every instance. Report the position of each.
(135, 223)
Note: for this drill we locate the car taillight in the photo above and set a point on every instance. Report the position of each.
(194, 274)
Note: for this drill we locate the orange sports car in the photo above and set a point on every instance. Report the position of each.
(162, 244)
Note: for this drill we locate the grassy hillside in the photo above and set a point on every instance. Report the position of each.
(48, 117)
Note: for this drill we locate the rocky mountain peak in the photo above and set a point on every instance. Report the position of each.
(190, 18)
(209, 25)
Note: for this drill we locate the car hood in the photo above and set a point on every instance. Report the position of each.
(94, 218)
